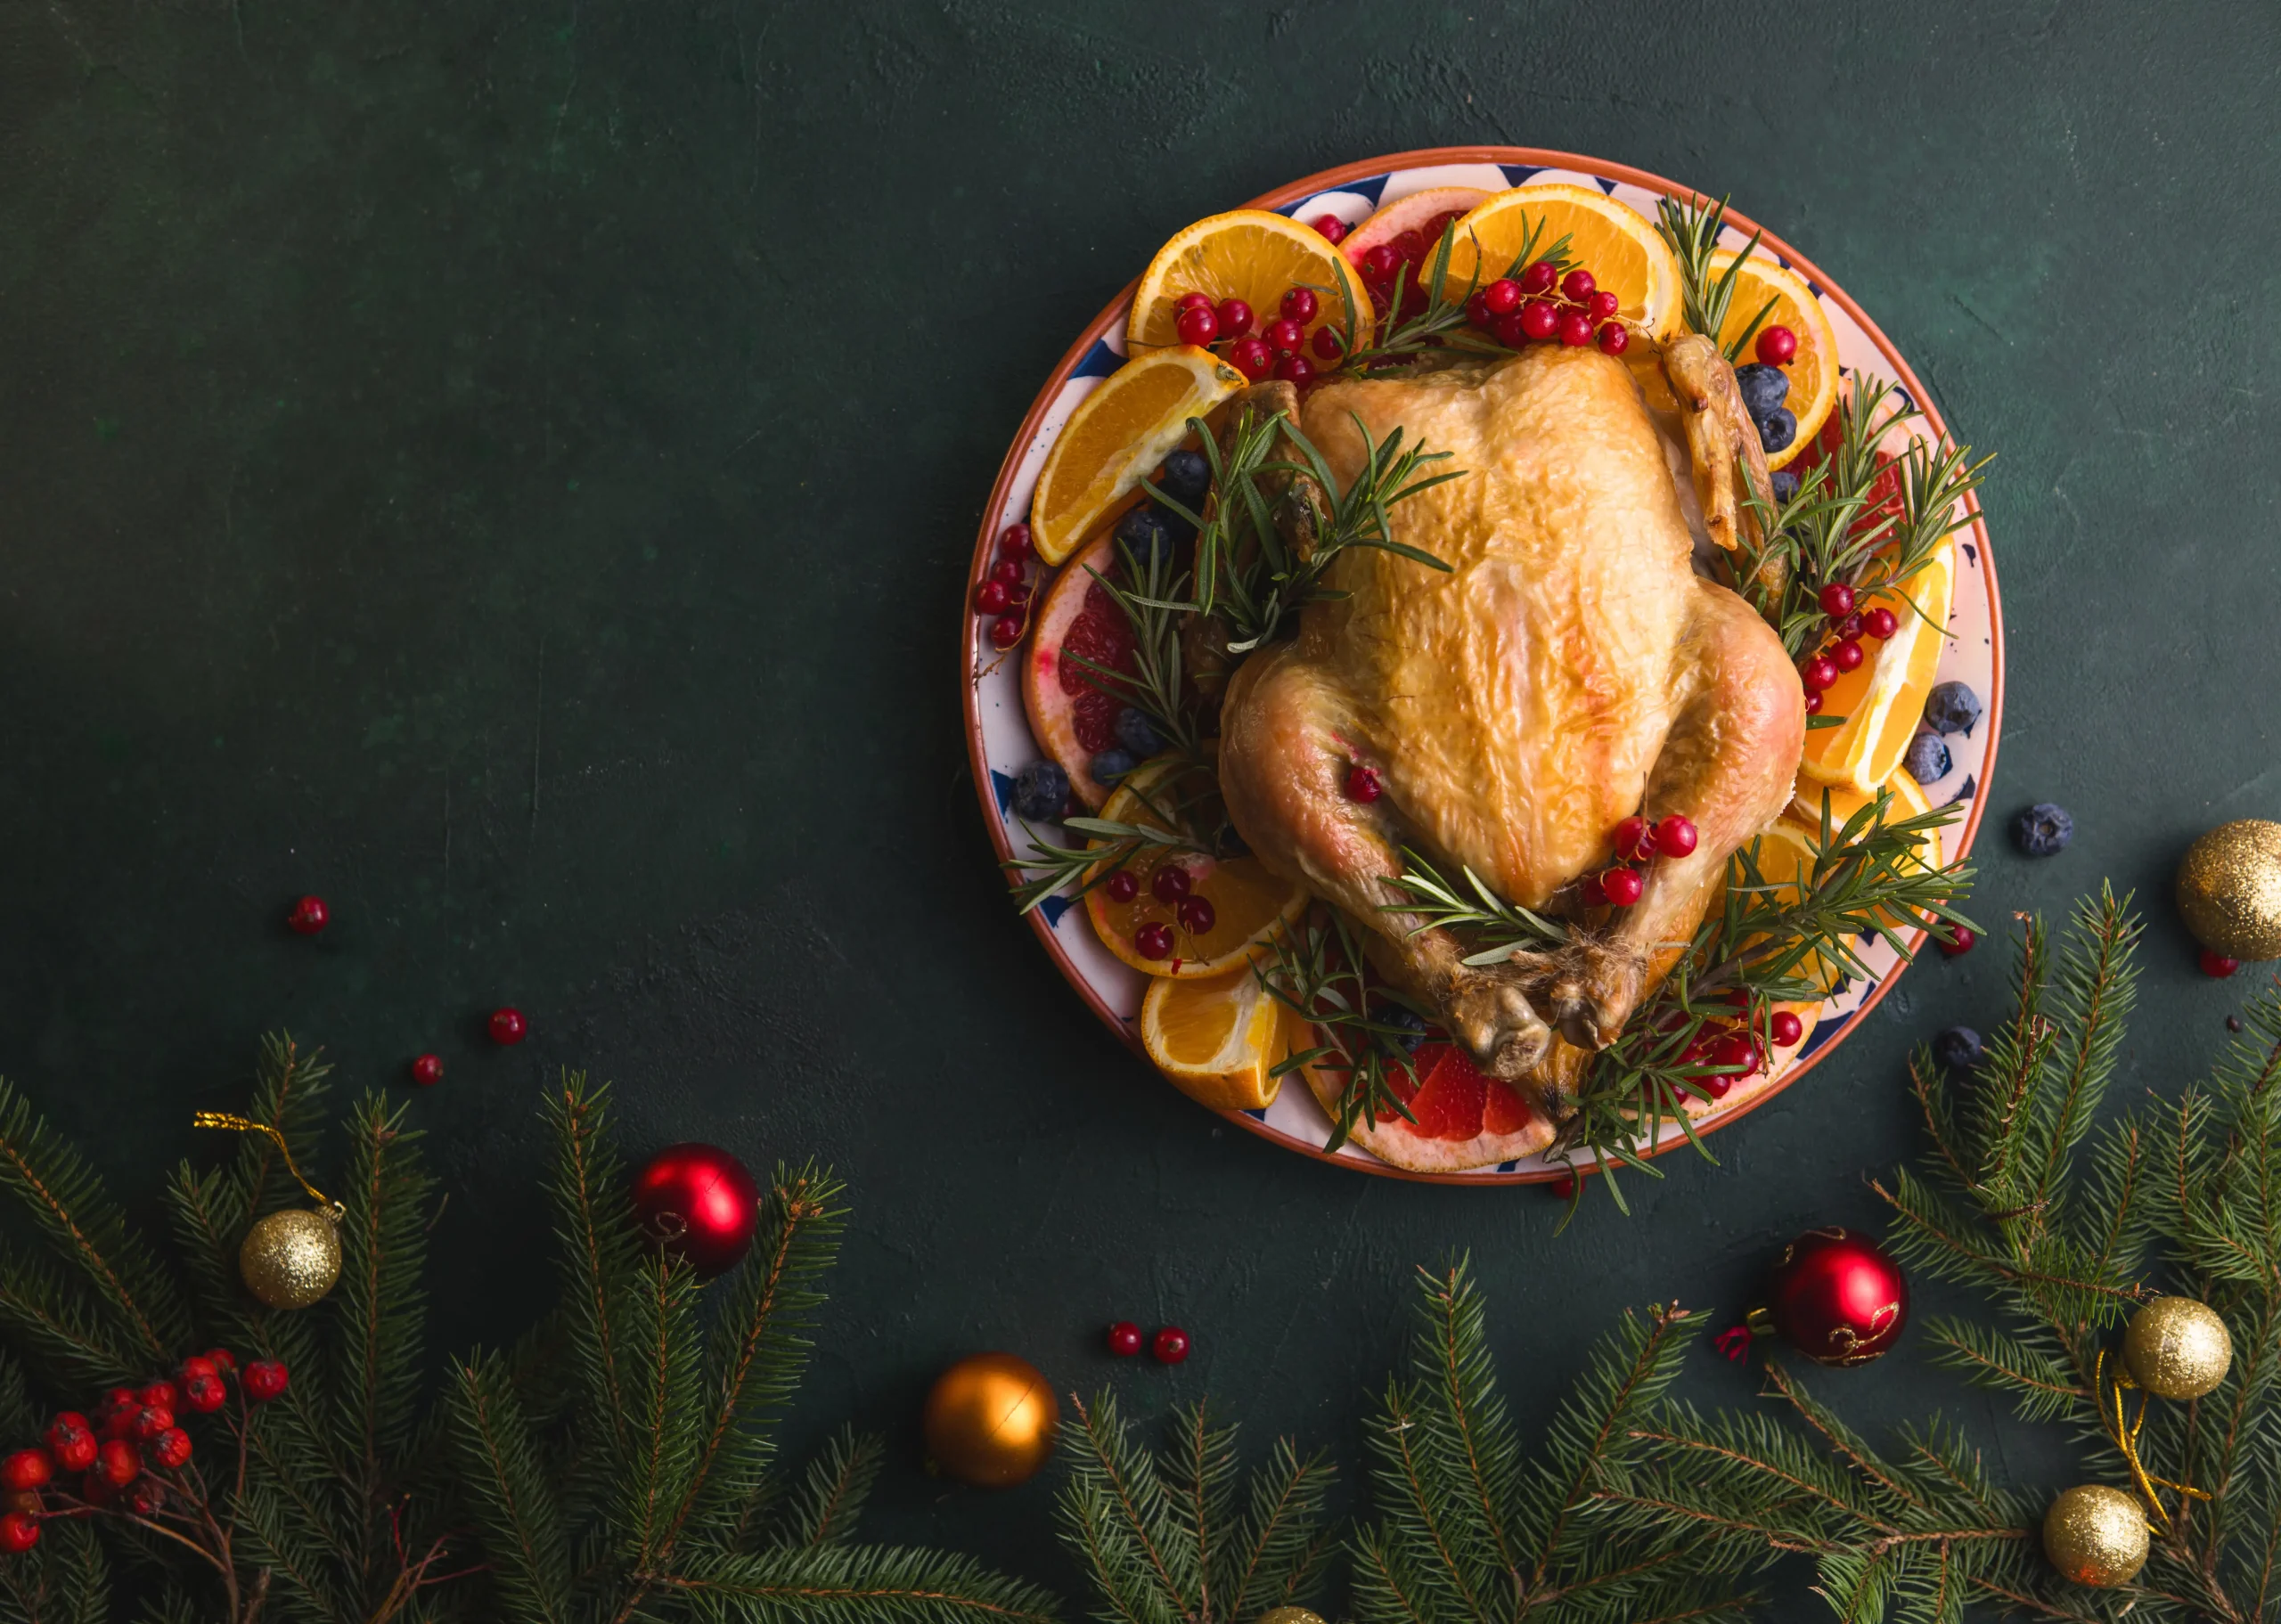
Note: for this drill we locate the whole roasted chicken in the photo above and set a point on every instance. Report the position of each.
(1570, 669)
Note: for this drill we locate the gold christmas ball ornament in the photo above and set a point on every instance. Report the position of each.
(2095, 1536)
(1290, 1615)
(2229, 889)
(991, 1420)
(292, 1258)
(2178, 1348)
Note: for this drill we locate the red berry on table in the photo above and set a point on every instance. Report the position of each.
(1196, 914)
(1005, 631)
(1006, 572)
(2216, 965)
(1813, 704)
(1880, 624)
(1538, 277)
(1123, 885)
(1153, 940)
(1777, 345)
(1300, 304)
(1614, 338)
(18, 1532)
(1380, 264)
(990, 598)
(27, 1469)
(1539, 318)
(1819, 673)
(1675, 836)
(1170, 883)
(1362, 784)
(1252, 358)
(119, 1463)
(1124, 1339)
(1234, 317)
(1629, 836)
(1786, 1028)
(1295, 369)
(1014, 542)
(1603, 306)
(170, 1448)
(1847, 654)
(1579, 286)
(1283, 334)
(1622, 887)
(1960, 941)
(1326, 344)
(308, 918)
(1837, 601)
(1575, 330)
(428, 1071)
(507, 1025)
(265, 1379)
(1331, 226)
(1501, 296)
(1196, 324)
(205, 1393)
(1170, 1345)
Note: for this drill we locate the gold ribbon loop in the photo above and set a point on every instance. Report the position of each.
(246, 1124)
(2122, 1431)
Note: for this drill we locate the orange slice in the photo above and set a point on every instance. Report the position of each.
(1812, 371)
(1251, 254)
(1612, 241)
(1844, 800)
(1248, 904)
(1216, 1037)
(1118, 436)
(1882, 699)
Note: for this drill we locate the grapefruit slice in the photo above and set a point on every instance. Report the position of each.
(1423, 214)
(1465, 1117)
(1073, 710)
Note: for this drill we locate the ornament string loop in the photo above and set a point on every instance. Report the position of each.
(246, 1124)
(2122, 1431)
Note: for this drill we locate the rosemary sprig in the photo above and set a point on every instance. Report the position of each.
(1692, 229)
(1487, 922)
(1318, 971)
(1389, 336)
(1154, 610)
(1050, 867)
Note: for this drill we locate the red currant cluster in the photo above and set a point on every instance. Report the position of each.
(1638, 843)
(1005, 593)
(1541, 304)
(1169, 1346)
(1272, 352)
(1842, 652)
(1173, 886)
(1407, 259)
(1722, 1053)
(117, 1456)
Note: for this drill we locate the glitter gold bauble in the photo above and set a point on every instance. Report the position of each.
(2178, 1348)
(2095, 1536)
(991, 1420)
(2229, 889)
(1290, 1615)
(292, 1258)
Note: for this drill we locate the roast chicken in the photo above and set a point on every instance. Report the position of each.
(1571, 668)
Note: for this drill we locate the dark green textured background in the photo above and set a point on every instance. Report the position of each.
(511, 471)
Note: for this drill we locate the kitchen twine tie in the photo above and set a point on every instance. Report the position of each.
(246, 1124)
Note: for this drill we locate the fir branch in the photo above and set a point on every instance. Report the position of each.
(600, 1252)
(509, 1491)
(830, 1499)
(844, 1584)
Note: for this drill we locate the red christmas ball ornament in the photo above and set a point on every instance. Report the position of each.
(697, 1200)
(1835, 1296)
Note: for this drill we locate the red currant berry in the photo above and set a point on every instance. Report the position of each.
(72, 1441)
(1124, 1339)
(1880, 624)
(151, 1421)
(308, 918)
(1380, 264)
(1564, 1186)
(1193, 301)
(1501, 296)
(1006, 630)
(205, 1393)
(1847, 656)
(1477, 312)
(1733, 1049)
(1018, 597)
(158, 1395)
(1851, 627)
(1575, 330)
(1813, 704)
(1123, 885)
(1538, 277)
(1005, 573)
(2216, 965)
(428, 1071)
(1716, 1084)
(1196, 324)
(1295, 369)
(1539, 318)
(1579, 286)
(1283, 334)
(1837, 601)
(1591, 892)
(1170, 1345)
(1014, 542)
(1170, 883)
(1675, 836)
(1603, 306)
(1622, 887)
(169, 1450)
(1777, 345)
(1196, 914)
(119, 1463)
(265, 1379)
(1614, 338)
(508, 1026)
(1300, 304)
(1362, 784)
(1786, 1028)
(27, 1469)
(1326, 344)
(1630, 838)
(1153, 940)
(1819, 673)
(990, 598)
(119, 1399)
(1960, 940)
(1252, 358)
(1511, 328)
(1234, 317)
(1331, 226)
(18, 1532)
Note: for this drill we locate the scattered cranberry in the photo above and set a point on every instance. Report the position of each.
(265, 1379)
(27, 1469)
(1777, 345)
(205, 1393)
(990, 598)
(1124, 1336)
(1300, 304)
(1170, 1346)
(1196, 324)
(1960, 941)
(1283, 335)
(1539, 318)
(1847, 656)
(1538, 277)
(18, 1532)
(1675, 836)
(1380, 264)
(2233, 1022)
(1234, 317)
(1786, 1028)
(1014, 542)
(1837, 600)
(1622, 887)
(1630, 838)
(1153, 940)
(308, 918)
(1819, 673)
(1880, 624)
(1501, 296)
(1331, 226)
(72, 1441)
(1193, 301)
(170, 1449)
(1362, 784)
(1123, 885)
(1196, 914)
(2216, 965)
(1615, 339)
(119, 1463)
(508, 1026)
(1005, 631)
(1170, 883)
(1295, 369)
(1252, 358)
(1579, 286)
(1327, 344)
(1575, 330)
(1813, 704)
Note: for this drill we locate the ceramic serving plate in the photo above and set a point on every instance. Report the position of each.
(998, 733)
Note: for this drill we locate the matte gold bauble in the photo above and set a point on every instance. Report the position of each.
(1290, 1615)
(292, 1258)
(2229, 889)
(991, 1420)
(2095, 1536)
(2178, 1348)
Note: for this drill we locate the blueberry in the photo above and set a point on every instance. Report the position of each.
(1776, 428)
(1953, 707)
(1412, 1024)
(1146, 532)
(1111, 765)
(1136, 734)
(2043, 830)
(1786, 485)
(1041, 790)
(1927, 761)
(1959, 1048)
(1185, 477)
(1763, 388)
